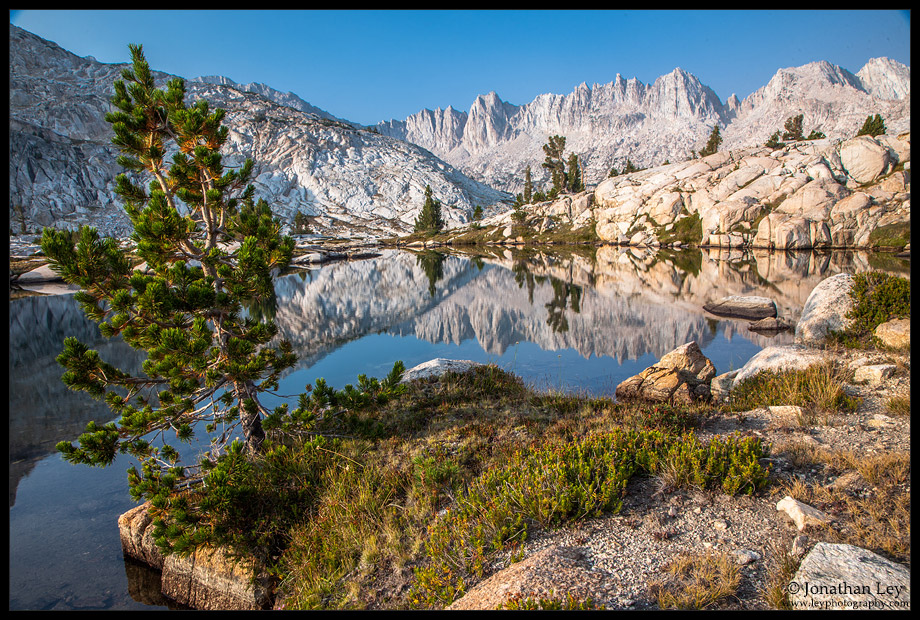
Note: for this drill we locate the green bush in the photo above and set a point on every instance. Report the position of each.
(556, 483)
(877, 298)
(687, 230)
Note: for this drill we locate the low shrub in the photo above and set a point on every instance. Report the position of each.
(566, 603)
(895, 235)
(556, 483)
(877, 298)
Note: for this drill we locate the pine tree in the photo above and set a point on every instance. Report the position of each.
(555, 164)
(793, 128)
(209, 248)
(574, 174)
(712, 145)
(429, 220)
(773, 141)
(528, 186)
(874, 126)
(210, 251)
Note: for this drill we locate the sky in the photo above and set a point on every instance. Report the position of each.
(371, 66)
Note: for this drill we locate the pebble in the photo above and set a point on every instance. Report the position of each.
(746, 556)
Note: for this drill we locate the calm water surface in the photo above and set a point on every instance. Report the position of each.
(582, 322)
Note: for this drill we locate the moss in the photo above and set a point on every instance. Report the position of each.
(895, 235)
(687, 230)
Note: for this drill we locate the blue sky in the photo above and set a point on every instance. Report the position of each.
(368, 66)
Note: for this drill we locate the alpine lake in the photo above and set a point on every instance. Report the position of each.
(579, 319)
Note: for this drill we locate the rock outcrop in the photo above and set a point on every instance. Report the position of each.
(809, 194)
(839, 576)
(894, 333)
(208, 579)
(682, 376)
(536, 577)
(667, 120)
(825, 310)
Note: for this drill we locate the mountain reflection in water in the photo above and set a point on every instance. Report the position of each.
(579, 320)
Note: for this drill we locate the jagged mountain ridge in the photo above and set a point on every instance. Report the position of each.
(607, 123)
(62, 165)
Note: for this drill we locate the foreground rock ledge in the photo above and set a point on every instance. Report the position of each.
(839, 576)
(208, 579)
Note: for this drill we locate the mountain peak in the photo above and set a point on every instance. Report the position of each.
(885, 78)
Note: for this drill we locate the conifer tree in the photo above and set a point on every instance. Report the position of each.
(555, 164)
(873, 126)
(574, 174)
(528, 186)
(773, 141)
(712, 145)
(429, 219)
(210, 251)
(793, 128)
(209, 248)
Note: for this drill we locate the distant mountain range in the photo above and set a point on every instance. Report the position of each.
(372, 179)
(607, 123)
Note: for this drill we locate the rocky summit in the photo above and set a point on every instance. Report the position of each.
(667, 120)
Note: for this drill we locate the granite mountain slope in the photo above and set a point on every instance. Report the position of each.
(62, 164)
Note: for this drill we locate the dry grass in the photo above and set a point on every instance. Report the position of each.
(873, 513)
(899, 405)
(781, 567)
(818, 389)
(697, 581)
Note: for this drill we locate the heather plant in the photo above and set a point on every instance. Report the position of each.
(877, 297)
(555, 483)
(565, 603)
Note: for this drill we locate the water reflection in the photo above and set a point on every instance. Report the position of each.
(587, 318)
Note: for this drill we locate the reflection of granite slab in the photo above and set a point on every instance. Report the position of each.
(48, 288)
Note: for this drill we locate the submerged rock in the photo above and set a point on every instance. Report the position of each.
(742, 307)
(769, 324)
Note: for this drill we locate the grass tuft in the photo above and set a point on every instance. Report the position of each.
(697, 581)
